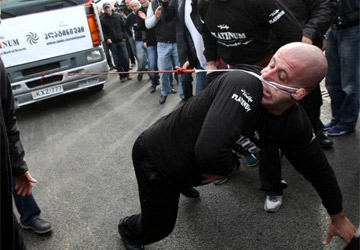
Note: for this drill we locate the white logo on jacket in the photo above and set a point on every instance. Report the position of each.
(231, 39)
(223, 27)
(244, 99)
(247, 145)
(276, 15)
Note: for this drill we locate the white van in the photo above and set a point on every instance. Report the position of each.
(51, 47)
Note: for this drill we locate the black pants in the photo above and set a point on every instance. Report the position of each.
(159, 201)
(186, 81)
(19, 242)
(270, 169)
(11, 238)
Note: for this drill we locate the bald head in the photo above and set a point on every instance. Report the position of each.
(134, 5)
(310, 61)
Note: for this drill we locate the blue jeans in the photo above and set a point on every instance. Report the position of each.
(152, 60)
(167, 57)
(26, 206)
(342, 79)
(141, 55)
(200, 82)
(121, 57)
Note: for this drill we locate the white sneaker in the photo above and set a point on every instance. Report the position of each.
(220, 181)
(272, 203)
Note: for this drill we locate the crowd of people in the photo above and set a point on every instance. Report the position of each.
(269, 107)
(225, 34)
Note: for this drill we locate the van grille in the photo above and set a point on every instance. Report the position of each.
(40, 69)
(44, 81)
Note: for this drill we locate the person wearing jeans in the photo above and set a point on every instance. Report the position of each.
(189, 41)
(149, 44)
(134, 30)
(141, 57)
(152, 60)
(167, 55)
(115, 36)
(30, 213)
(121, 58)
(342, 80)
(165, 32)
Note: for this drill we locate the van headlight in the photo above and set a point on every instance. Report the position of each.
(93, 56)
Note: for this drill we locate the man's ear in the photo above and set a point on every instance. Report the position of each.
(299, 94)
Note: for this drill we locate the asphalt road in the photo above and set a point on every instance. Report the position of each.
(78, 147)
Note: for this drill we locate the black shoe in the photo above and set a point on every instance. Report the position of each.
(139, 77)
(162, 99)
(40, 226)
(324, 141)
(152, 89)
(129, 245)
(190, 192)
(173, 91)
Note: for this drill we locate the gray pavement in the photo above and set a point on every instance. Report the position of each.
(78, 147)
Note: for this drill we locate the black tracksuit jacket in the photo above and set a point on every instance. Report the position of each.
(238, 30)
(227, 116)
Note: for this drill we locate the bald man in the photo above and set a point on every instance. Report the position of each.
(190, 147)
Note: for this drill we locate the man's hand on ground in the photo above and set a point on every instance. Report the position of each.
(341, 226)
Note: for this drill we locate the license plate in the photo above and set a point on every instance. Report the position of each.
(47, 91)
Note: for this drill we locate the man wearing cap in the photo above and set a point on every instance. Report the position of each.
(113, 27)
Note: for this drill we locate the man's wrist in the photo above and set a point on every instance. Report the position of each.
(336, 217)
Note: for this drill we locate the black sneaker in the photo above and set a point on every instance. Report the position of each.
(152, 89)
(173, 91)
(129, 245)
(190, 192)
(324, 141)
(139, 77)
(162, 99)
(40, 226)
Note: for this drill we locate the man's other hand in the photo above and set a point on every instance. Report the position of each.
(24, 183)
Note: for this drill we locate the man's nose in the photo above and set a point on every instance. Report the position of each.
(267, 74)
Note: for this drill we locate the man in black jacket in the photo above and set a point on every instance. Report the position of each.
(113, 27)
(12, 164)
(315, 17)
(238, 32)
(190, 147)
